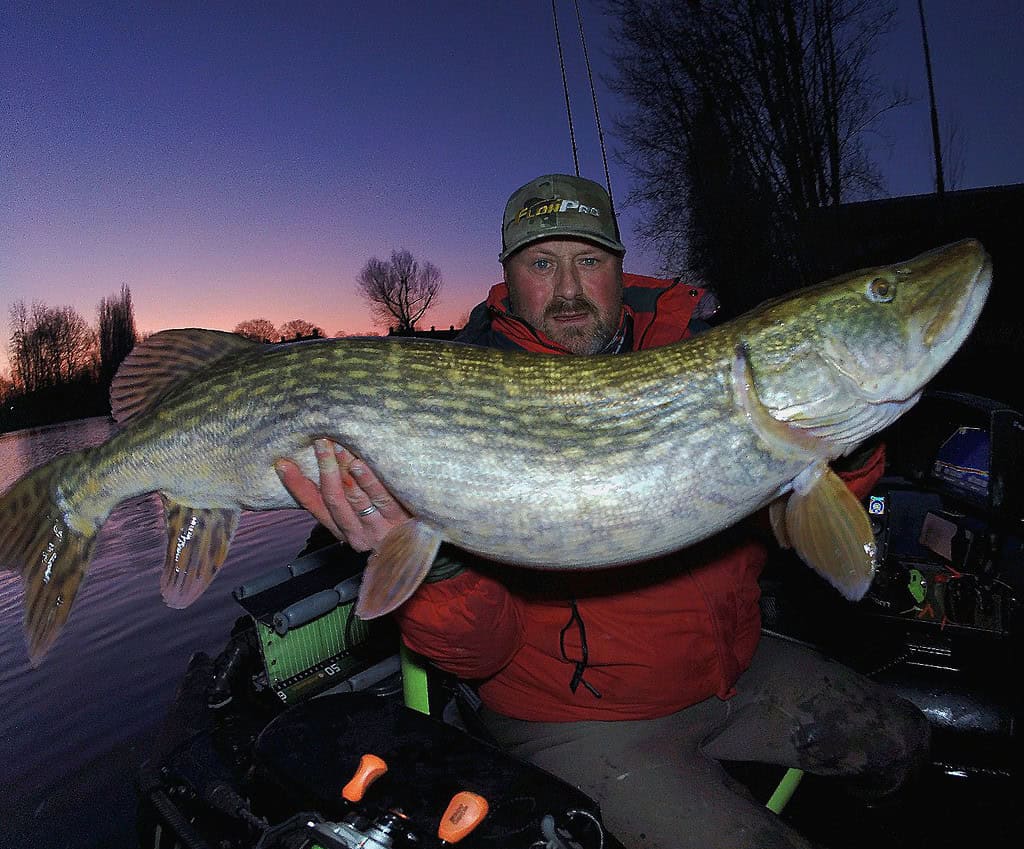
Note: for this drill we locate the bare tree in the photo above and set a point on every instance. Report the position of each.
(23, 365)
(258, 329)
(68, 342)
(299, 328)
(399, 290)
(117, 332)
(747, 118)
(50, 346)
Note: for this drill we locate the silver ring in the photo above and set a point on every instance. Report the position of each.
(367, 511)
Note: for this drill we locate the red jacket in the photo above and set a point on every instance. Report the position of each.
(658, 636)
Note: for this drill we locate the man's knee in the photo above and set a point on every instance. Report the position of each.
(905, 740)
(869, 734)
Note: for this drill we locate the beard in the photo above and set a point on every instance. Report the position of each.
(588, 337)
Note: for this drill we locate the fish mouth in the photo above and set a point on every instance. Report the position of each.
(953, 325)
(945, 292)
(954, 305)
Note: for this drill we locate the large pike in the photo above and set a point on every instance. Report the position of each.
(539, 461)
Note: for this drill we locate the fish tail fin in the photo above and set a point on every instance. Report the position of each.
(47, 548)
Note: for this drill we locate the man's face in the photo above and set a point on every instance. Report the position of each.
(568, 289)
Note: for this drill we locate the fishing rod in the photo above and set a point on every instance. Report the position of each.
(593, 95)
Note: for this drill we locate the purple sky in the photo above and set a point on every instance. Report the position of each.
(241, 160)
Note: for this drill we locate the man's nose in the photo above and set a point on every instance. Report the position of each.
(568, 284)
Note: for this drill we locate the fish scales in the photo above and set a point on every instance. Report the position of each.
(556, 409)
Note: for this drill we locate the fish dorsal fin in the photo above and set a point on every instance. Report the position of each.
(160, 362)
(397, 567)
(197, 543)
(829, 528)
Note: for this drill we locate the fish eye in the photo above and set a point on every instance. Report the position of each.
(880, 290)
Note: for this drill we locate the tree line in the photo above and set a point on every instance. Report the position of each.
(262, 330)
(61, 366)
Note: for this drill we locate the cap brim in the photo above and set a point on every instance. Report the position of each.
(610, 244)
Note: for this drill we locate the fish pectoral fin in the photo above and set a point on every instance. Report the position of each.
(397, 567)
(198, 540)
(779, 437)
(830, 530)
(777, 517)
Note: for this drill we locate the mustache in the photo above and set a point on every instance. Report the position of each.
(567, 307)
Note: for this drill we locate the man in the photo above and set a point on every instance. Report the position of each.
(630, 683)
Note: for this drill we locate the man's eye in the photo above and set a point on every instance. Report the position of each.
(589, 260)
(541, 263)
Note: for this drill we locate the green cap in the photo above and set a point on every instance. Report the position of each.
(559, 205)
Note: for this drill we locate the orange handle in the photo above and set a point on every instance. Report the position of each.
(370, 769)
(463, 814)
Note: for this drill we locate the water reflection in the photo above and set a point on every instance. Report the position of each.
(23, 450)
(114, 669)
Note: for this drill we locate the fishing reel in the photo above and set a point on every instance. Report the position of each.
(390, 830)
(574, 829)
(365, 828)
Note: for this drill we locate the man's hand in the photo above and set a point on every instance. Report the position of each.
(349, 501)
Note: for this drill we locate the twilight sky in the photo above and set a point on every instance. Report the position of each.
(235, 160)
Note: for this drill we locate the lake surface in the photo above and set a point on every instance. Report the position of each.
(74, 730)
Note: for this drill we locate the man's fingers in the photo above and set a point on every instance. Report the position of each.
(342, 496)
(307, 494)
(379, 497)
(330, 473)
(350, 501)
(331, 483)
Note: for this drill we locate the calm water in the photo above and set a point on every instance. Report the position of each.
(73, 731)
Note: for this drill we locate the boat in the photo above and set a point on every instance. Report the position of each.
(314, 729)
